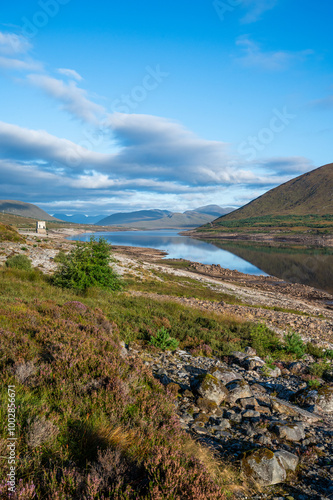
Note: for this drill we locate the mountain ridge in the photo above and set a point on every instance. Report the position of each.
(308, 194)
(24, 209)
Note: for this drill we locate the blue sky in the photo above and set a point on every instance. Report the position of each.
(118, 106)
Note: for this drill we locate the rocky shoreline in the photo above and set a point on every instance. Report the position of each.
(264, 420)
(272, 237)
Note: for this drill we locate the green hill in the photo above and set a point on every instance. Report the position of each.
(308, 194)
(163, 219)
(24, 209)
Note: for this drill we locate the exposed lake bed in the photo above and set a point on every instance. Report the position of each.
(307, 265)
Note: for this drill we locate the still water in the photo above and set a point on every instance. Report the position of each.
(309, 266)
(177, 247)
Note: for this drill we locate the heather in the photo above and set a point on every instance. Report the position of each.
(91, 422)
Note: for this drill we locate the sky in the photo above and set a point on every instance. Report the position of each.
(120, 106)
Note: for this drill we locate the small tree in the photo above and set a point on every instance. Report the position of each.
(163, 340)
(88, 264)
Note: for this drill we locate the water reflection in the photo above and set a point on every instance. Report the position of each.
(309, 266)
(178, 247)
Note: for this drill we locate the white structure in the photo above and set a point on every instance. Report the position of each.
(41, 227)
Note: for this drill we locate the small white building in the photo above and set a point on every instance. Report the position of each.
(41, 227)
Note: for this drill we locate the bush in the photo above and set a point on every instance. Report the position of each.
(264, 341)
(318, 369)
(60, 257)
(19, 262)
(294, 344)
(87, 265)
(163, 340)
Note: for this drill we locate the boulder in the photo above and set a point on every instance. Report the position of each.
(290, 432)
(264, 467)
(248, 403)
(316, 399)
(288, 460)
(238, 389)
(209, 387)
(225, 375)
(270, 372)
(249, 351)
(252, 362)
(325, 398)
(285, 408)
(238, 357)
(298, 368)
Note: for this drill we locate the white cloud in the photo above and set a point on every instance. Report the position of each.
(32, 145)
(73, 99)
(256, 8)
(11, 43)
(71, 73)
(18, 65)
(254, 56)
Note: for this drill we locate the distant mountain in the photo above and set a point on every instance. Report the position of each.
(132, 217)
(24, 209)
(158, 219)
(308, 194)
(79, 218)
(213, 210)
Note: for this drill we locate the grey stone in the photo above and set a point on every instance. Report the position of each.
(238, 389)
(316, 399)
(249, 403)
(291, 432)
(198, 429)
(222, 425)
(238, 356)
(251, 414)
(210, 387)
(288, 460)
(225, 375)
(271, 372)
(250, 351)
(264, 467)
(289, 409)
(252, 362)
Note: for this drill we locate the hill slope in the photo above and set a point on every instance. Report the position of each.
(24, 209)
(310, 193)
(157, 219)
(132, 217)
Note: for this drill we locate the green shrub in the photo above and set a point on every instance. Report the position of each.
(294, 344)
(314, 383)
(60, 257)
(318, 369)
(264, 341)
(314, 350)
(19, 262)
(87, 265)
(163, 340)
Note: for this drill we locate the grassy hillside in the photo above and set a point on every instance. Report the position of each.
(92, 423)
(8, 233)
(24, 210)
(308, 194)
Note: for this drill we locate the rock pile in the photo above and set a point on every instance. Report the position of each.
(266, 420)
